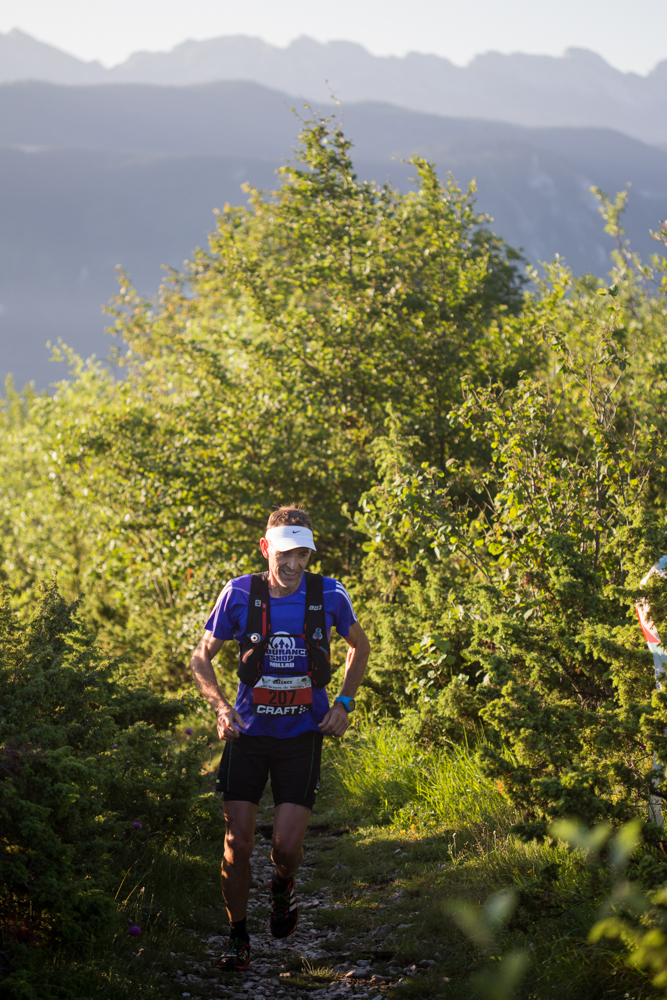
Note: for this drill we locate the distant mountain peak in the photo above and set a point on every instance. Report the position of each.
(587, 56)
(23, 57)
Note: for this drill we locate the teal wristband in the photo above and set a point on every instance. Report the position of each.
(348, 703)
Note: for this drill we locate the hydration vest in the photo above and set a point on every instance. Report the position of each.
(258, 631)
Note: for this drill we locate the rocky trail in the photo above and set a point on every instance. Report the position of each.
(312, 962)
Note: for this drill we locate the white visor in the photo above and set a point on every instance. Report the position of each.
(290, 536)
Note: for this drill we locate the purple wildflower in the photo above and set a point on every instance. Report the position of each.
(113, 746)
(137, 826)
(135, 931)
(189, 732)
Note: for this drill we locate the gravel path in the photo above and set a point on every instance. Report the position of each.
(277, 970)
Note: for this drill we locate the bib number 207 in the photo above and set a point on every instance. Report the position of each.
(279, 696)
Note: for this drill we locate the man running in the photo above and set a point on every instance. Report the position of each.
(282, 621)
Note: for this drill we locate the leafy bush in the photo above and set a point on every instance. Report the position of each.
(87, 774)
(538, 552)
(627, 914)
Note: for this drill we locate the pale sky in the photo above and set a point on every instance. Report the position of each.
(630, 35)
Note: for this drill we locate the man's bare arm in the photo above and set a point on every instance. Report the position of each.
(201, 666)
(336, 721)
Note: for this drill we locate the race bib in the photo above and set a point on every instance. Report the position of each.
(282, 696)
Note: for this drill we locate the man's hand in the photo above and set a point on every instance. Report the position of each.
(228, 720)
(336, 721)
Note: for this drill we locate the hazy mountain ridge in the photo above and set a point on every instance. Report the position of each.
(94, 177)
(579, 88)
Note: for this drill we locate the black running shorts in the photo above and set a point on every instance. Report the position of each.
(292, 763)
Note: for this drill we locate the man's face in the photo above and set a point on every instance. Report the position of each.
(285, 567)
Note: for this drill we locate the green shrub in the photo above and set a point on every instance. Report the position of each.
(88, 774)
(539, 551)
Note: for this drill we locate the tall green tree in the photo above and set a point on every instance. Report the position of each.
(264, 373)
(267, 368)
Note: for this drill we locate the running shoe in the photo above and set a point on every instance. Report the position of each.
(284, 911)
(236, 958)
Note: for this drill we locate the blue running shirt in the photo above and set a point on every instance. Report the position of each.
(287, 655)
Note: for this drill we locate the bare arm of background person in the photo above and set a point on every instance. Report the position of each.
(336, 721)
(201, 666)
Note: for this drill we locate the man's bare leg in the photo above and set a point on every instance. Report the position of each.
(290, 823)
(235, 873)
